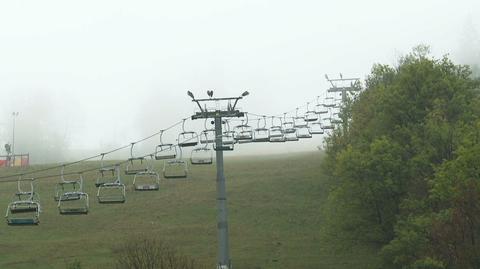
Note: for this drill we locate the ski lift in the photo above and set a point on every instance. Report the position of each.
(74, 202)
(310, 115)
(291, 136)
(112, 192)
(329, 102)
(67, 186)
(135, 164)
(147, 180)
(261, 134)
(105, 174)
(320, 108)
(201, 155)
(25, 208)
(207, 136)
(276, 132)
(165, 151)
(299, 122)
(175, 168)
(304, 132)
(244, 133)
(228, 139)
(187, 138)
(327, 124)
(316, 127)
(288, 126)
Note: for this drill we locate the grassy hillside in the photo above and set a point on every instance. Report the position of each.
(274, 212)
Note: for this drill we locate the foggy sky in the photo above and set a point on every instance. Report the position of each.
(86, 76)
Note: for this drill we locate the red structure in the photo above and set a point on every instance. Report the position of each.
(17, 160)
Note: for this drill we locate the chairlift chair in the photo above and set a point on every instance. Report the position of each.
(327, 124)
(329, 102)
(175, 168)
(112, 192)
(135, 164)
(25, 208)
(201, 155)
(207, 136)
(68, 186)
(244, 132)
(20, 213)
(187, 138)
(276, 133)
(261, 134)
(299, 121)
(320, 108)
(71, 201)
(316, 128)
(147, 180)
(288, 125)
(78, 206)
(310, 115)
(165, 151)
(291, 136)
(304, 132)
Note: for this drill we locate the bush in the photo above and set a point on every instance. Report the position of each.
(151, 253)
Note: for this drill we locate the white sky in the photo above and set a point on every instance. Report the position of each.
(101, 73)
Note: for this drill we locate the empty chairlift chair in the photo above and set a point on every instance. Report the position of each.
(175, 168)
(304, 132)
(276, 133)
(316, 127)
(329, 102)
(147, 180)
(289, 129)
(135, 164)
(187, 138)
(201, 155)
(207, 136)
(261, 133)
(106, 174)
(310, 115)
(165, 151)
(25, 207)
(112, 192)
(299, 121)
(327, 124)
(74, 202)
(320, 108)
(70, 186)
(243, 132)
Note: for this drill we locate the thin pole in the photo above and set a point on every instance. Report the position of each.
(14, 114)
(222, 223)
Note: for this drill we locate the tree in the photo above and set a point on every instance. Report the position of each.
(396, 173)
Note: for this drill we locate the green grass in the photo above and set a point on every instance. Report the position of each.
(274, 208)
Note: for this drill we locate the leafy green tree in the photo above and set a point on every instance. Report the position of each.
(404, 171)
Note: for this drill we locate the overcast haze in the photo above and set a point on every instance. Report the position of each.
(89, 75)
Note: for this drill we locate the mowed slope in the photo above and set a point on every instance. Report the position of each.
(274, 216)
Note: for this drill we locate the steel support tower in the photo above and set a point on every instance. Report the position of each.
(217, 114)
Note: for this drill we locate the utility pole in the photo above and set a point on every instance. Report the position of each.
(14, 115)
(217, 114)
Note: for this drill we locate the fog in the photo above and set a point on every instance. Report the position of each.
(88, 76)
